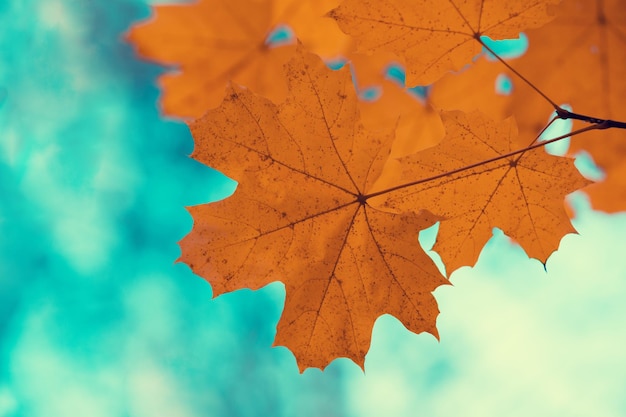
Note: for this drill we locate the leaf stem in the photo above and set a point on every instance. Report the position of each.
(537, 137)
(514, 71)
(561, 112)
(487, 161)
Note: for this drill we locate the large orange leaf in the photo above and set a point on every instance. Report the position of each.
(300, 215)
(435, 36)
(586, 45)
(521, 194)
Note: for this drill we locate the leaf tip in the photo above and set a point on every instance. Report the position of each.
(435, 333)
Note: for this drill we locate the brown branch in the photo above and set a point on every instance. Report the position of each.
(602, 123)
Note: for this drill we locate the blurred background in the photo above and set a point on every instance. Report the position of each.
(97, 319)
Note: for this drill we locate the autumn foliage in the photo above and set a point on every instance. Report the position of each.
(334, 185)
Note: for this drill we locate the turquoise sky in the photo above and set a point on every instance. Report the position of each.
(96, 319)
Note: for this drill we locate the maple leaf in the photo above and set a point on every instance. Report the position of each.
(211, 43)
(417, 126)
(300, 215)
(435, 36)
(474, 88)
(587, 39)
(322, 203)
(610, 194)
(318, 34)
(522, 194)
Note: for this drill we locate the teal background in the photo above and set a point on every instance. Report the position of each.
(97, 319)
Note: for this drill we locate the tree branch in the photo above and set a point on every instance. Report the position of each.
(487, 161)
(602, 123)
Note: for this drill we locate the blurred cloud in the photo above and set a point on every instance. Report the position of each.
(8, 404)
(96, 319)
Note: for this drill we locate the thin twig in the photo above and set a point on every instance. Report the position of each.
(487, 161)
(561, 112)
(603, 123)
(514, 71)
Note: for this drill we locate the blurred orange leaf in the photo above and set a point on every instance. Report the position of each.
(587, 44)
(435, 36)
(211, 43)
(318, 34)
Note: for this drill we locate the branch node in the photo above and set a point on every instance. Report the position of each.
(563, 113)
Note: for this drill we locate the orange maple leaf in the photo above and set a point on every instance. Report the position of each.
(435, 36)
(211, 43)
(417, 126)
(300, 215)
(522, 194)
(474, 88)
(318, 34)
(587, 41)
